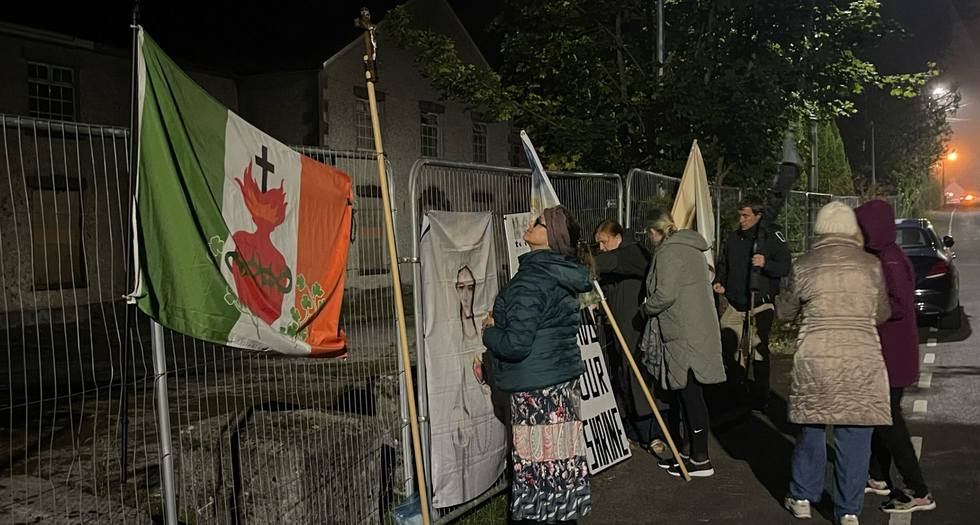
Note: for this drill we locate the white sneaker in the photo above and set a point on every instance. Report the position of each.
(877, 487)
(800, 508)
(849, 519)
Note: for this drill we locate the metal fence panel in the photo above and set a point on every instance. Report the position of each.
(256, 438)
(265, 439)
(65, 189)
(648, 191)
(453, 186)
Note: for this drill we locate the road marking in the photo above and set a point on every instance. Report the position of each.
(949, 231)
(929, 359)
(931, 343)
(906, 519)
(933, 329)
(925, 380)
(920, 406)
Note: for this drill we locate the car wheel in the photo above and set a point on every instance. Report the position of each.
(951, 321)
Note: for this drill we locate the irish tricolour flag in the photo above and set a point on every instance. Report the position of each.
(240, 240)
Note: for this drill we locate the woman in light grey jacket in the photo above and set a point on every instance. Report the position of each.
(839, 375)
(679, 296)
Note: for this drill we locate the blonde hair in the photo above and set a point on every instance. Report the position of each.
(662, 223)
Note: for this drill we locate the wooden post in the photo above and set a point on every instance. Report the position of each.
(639, 379)
(369, 74)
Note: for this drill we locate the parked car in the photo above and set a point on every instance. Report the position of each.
(937, 283)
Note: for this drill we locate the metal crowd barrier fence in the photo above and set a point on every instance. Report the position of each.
(254, 438)
(455, 186)
(647, 191)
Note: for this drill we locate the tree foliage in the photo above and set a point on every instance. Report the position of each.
(835, 172)
(910, 137)
(581, 77)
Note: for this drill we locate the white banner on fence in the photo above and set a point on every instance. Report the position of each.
(605, 438)
(459, 283)
(514, 227)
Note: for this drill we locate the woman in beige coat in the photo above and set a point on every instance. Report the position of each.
(839, 375)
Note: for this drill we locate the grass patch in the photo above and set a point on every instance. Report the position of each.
(782, 337)
(492, 512)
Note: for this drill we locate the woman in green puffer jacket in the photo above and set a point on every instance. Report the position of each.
(533, 334)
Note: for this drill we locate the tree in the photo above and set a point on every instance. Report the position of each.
(910, 136)
(581, 77)
(835, 173)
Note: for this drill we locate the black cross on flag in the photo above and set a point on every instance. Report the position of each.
(267, 167)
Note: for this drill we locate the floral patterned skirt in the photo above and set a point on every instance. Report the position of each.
(551, 476)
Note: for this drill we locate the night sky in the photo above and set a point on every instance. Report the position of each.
(962, 70)
(283, 35)
(289, 35)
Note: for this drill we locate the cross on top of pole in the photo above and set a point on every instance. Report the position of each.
(372, 46)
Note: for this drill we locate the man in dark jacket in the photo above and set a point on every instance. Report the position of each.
(744, 250)
(621, 266)
(900, 347)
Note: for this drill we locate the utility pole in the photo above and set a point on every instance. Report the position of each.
(814, 185)
(873, 177)
(660, 38)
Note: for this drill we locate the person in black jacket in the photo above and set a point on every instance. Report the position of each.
(743, 250)
(622, 265)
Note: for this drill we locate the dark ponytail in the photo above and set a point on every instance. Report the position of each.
(583, 252)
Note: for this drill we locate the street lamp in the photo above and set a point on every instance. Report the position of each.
(952, 156)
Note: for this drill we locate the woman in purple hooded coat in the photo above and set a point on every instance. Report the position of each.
(900, 348)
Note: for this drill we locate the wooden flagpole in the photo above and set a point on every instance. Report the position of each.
(639, 379)
(370, 75)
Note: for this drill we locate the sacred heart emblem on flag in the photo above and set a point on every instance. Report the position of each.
(261, 274)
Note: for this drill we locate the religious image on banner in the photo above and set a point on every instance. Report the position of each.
(241, 240)
(459, 283)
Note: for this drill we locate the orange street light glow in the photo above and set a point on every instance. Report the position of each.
(952, 156)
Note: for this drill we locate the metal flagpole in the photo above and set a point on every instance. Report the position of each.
(162, 402)
(128, 250)
(639, 379)
(370, 75)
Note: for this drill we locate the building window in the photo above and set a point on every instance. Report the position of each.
(51, 92)
(515, 151)
(58, 258)
(370, 242)
(480, 142)
(362, 119)
(430, 135)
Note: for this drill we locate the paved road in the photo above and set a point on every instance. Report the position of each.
(751, 453)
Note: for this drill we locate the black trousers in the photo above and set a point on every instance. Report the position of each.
(892, 443)
(688, 404)
(762, 370)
